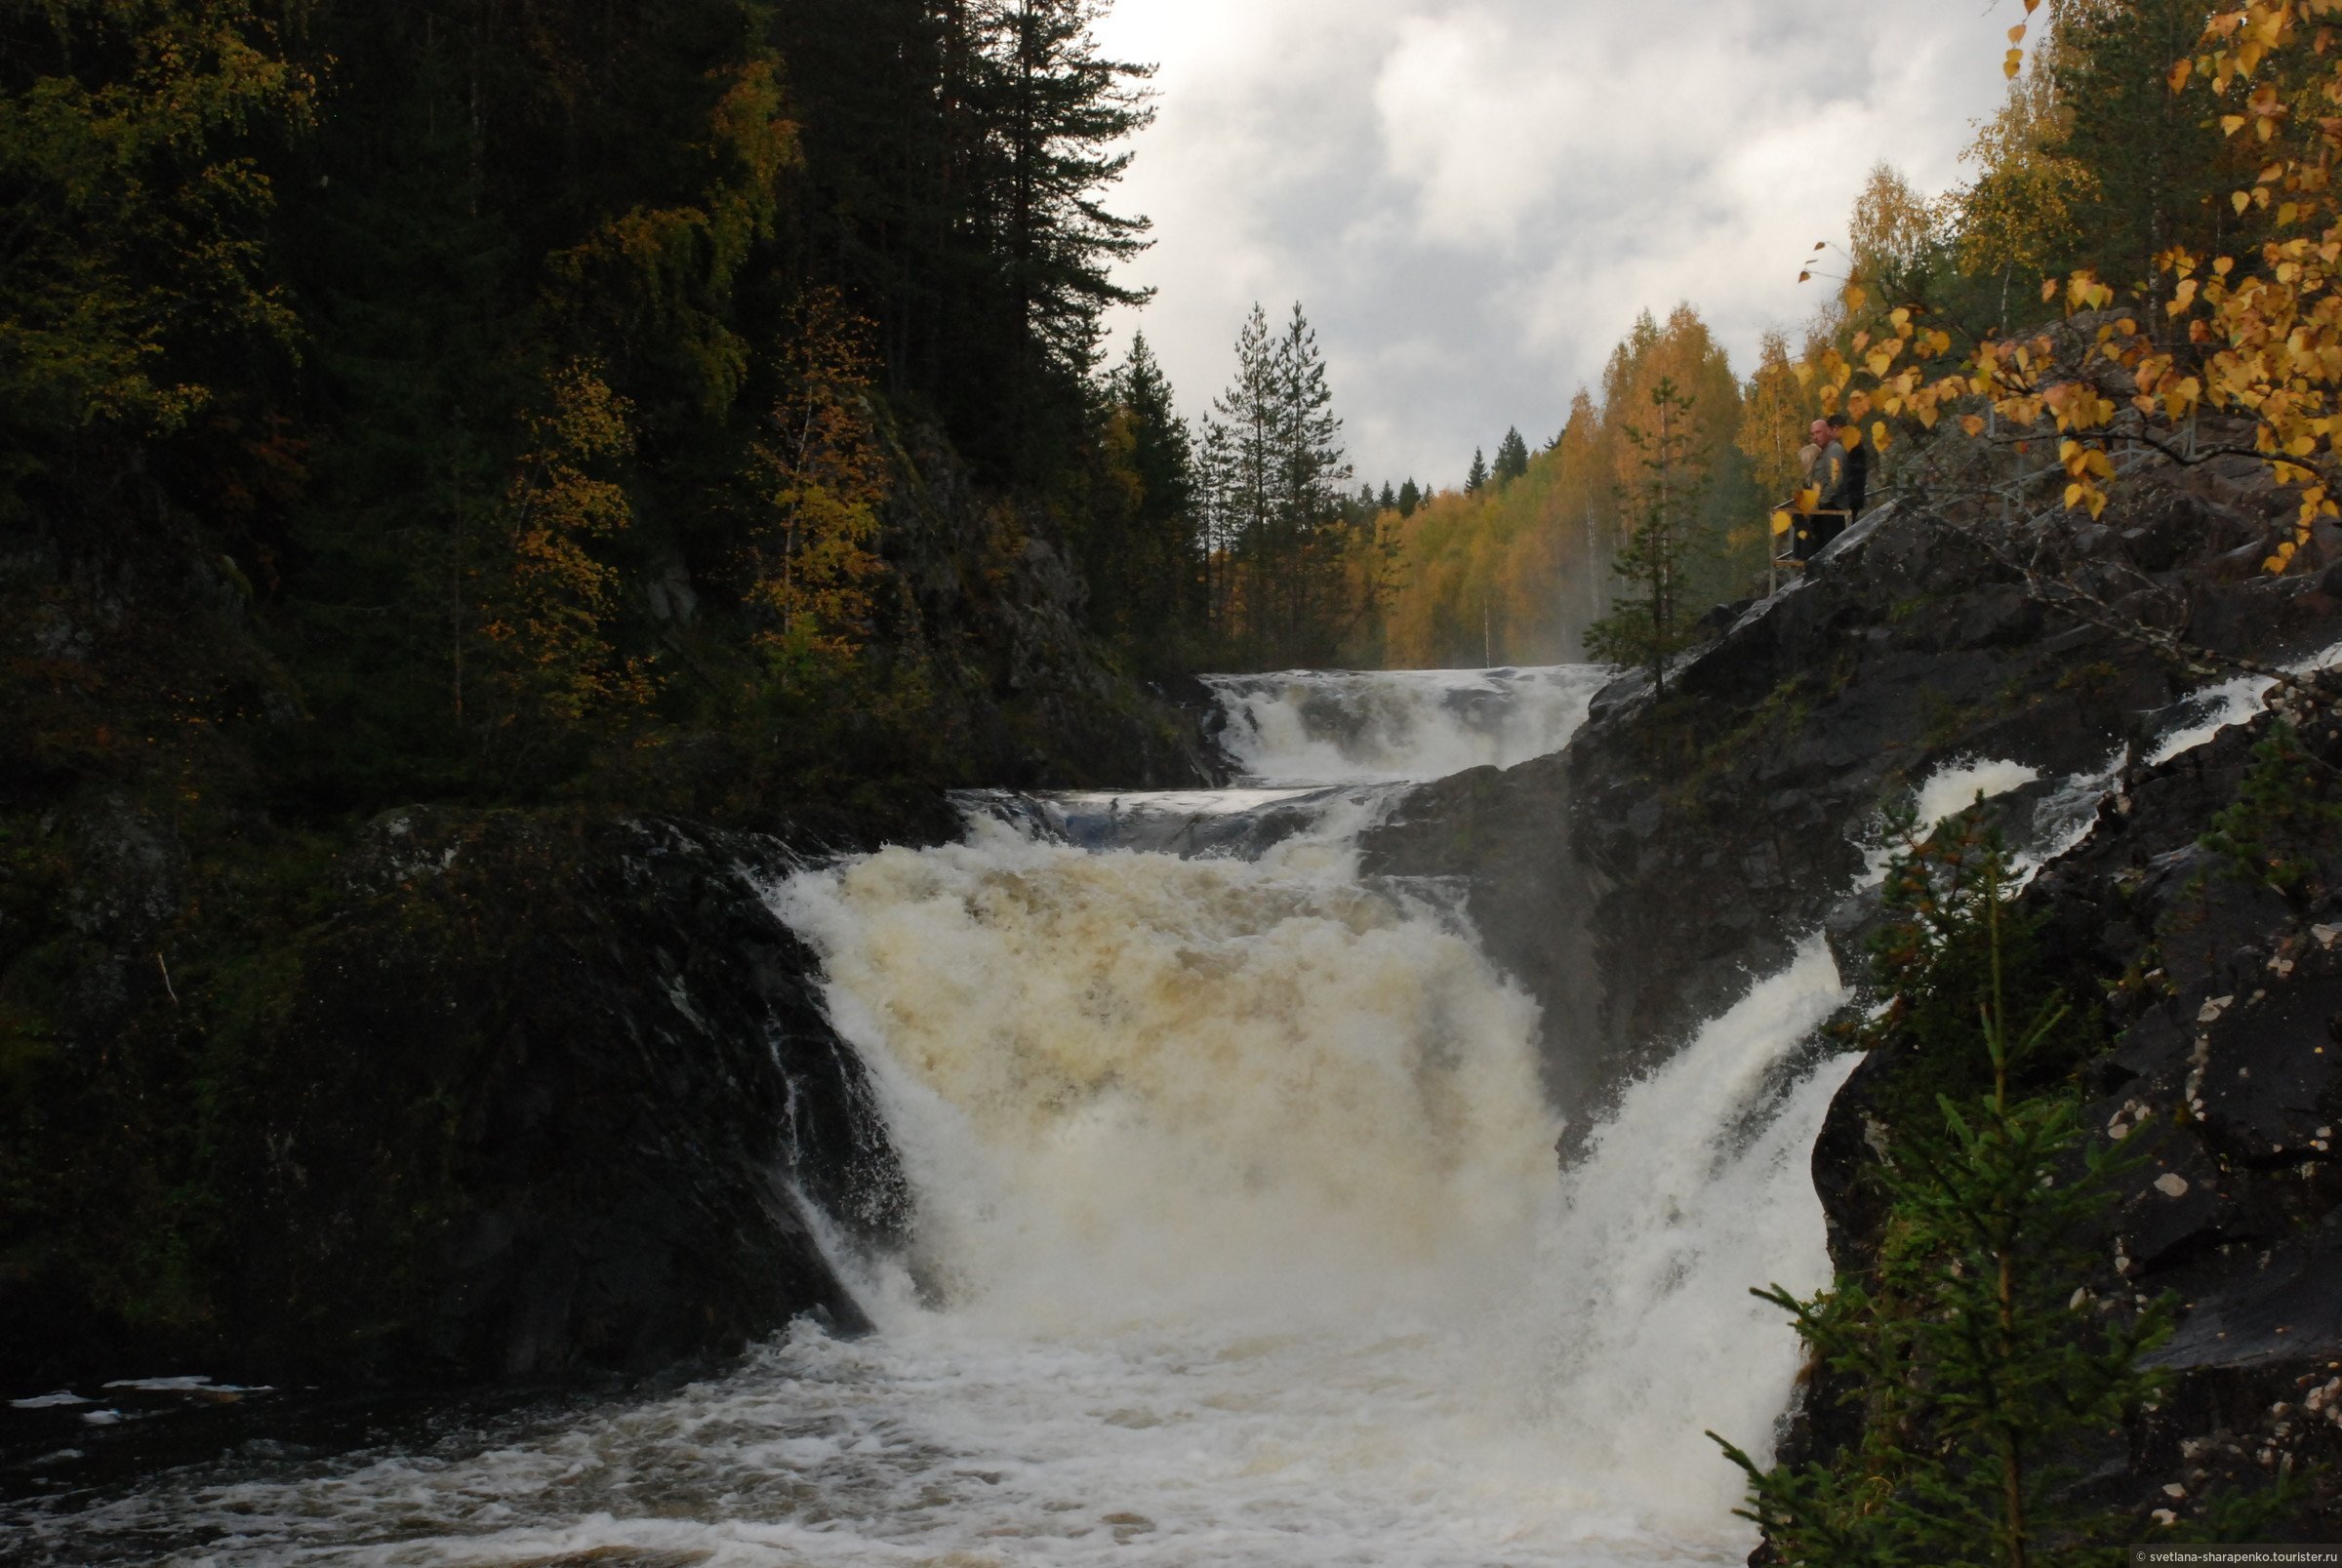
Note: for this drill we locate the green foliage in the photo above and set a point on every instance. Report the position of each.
(1512, 457)
(1986, 1374)
(136, 253)
(1135, 535)
(1290, 566)
(1648, 625)
(1476, 476)
(2285, 822)
(424, 403)
(2158, 171)
(958, 156)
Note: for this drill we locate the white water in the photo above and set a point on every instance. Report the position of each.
(1240, 1240)
(1323, 726)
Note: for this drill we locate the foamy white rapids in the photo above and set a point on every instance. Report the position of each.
(1239, 1240)
(1340, 726)
(2222, 704)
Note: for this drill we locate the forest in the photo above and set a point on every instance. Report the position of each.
(517, 517)
(2100, 157)
(537, 374)
(534, 436)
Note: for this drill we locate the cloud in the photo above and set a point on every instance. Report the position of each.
(1474, 198)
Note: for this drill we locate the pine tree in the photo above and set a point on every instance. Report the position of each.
(1646, 625)
(1388, 501)
(1281, 505)
(1312, 527)
(1478, 474)
(1247, 480)
(1512, 457)
(1410, 497)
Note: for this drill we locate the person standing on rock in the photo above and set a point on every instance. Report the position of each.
(1825, 480)
(1857, 477)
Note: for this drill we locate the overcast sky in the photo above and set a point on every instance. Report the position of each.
(1472, 198)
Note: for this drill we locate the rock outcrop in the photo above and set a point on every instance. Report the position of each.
(1683, 845)
(1639, 880)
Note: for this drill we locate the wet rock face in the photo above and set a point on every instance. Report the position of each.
(1639, 880)
(529, 1097)
(2223, 1074)
(2226, 1071)
(551, 1099)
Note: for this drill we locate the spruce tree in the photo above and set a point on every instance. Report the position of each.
(1512, 457)
(1138, 541)
(1388, 501)
(1410, 497)
(1312, 525)
(1478, 474)
(1983, 1371)
(1646, 625)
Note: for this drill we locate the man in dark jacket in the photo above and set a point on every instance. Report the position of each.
(1847, 498)
(1827, 480)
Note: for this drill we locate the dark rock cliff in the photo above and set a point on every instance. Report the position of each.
(540, 1097)
(1640, 879)
(1680, 847)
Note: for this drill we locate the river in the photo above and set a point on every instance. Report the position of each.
(1240, 1236)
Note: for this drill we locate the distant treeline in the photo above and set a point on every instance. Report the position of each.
(2094, 160)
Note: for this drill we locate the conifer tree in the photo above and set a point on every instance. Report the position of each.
(1246, 479)
(1512, 457)
(1646, 625)
(1478, 474)
(1137, 538)
(1410, 497)
(1311, 526)
(1280, 501)
(2159, 169)
(1388, 501)
(1981, 1369)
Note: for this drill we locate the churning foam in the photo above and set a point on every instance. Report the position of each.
(1342, 726)
(1135, 1085)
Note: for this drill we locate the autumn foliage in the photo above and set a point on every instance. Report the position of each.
(1518, 570)
(552, 590)
(820, 475)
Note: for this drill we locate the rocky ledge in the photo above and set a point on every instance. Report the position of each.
(532, 1097)
(1683, 845)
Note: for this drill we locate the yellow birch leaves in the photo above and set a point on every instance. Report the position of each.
(553, 612)
(2262, 328)
(812, 551)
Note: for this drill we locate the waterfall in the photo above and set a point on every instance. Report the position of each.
(1314, 726)
(1238, 1233)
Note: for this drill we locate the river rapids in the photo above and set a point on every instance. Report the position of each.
(1239, 1232)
